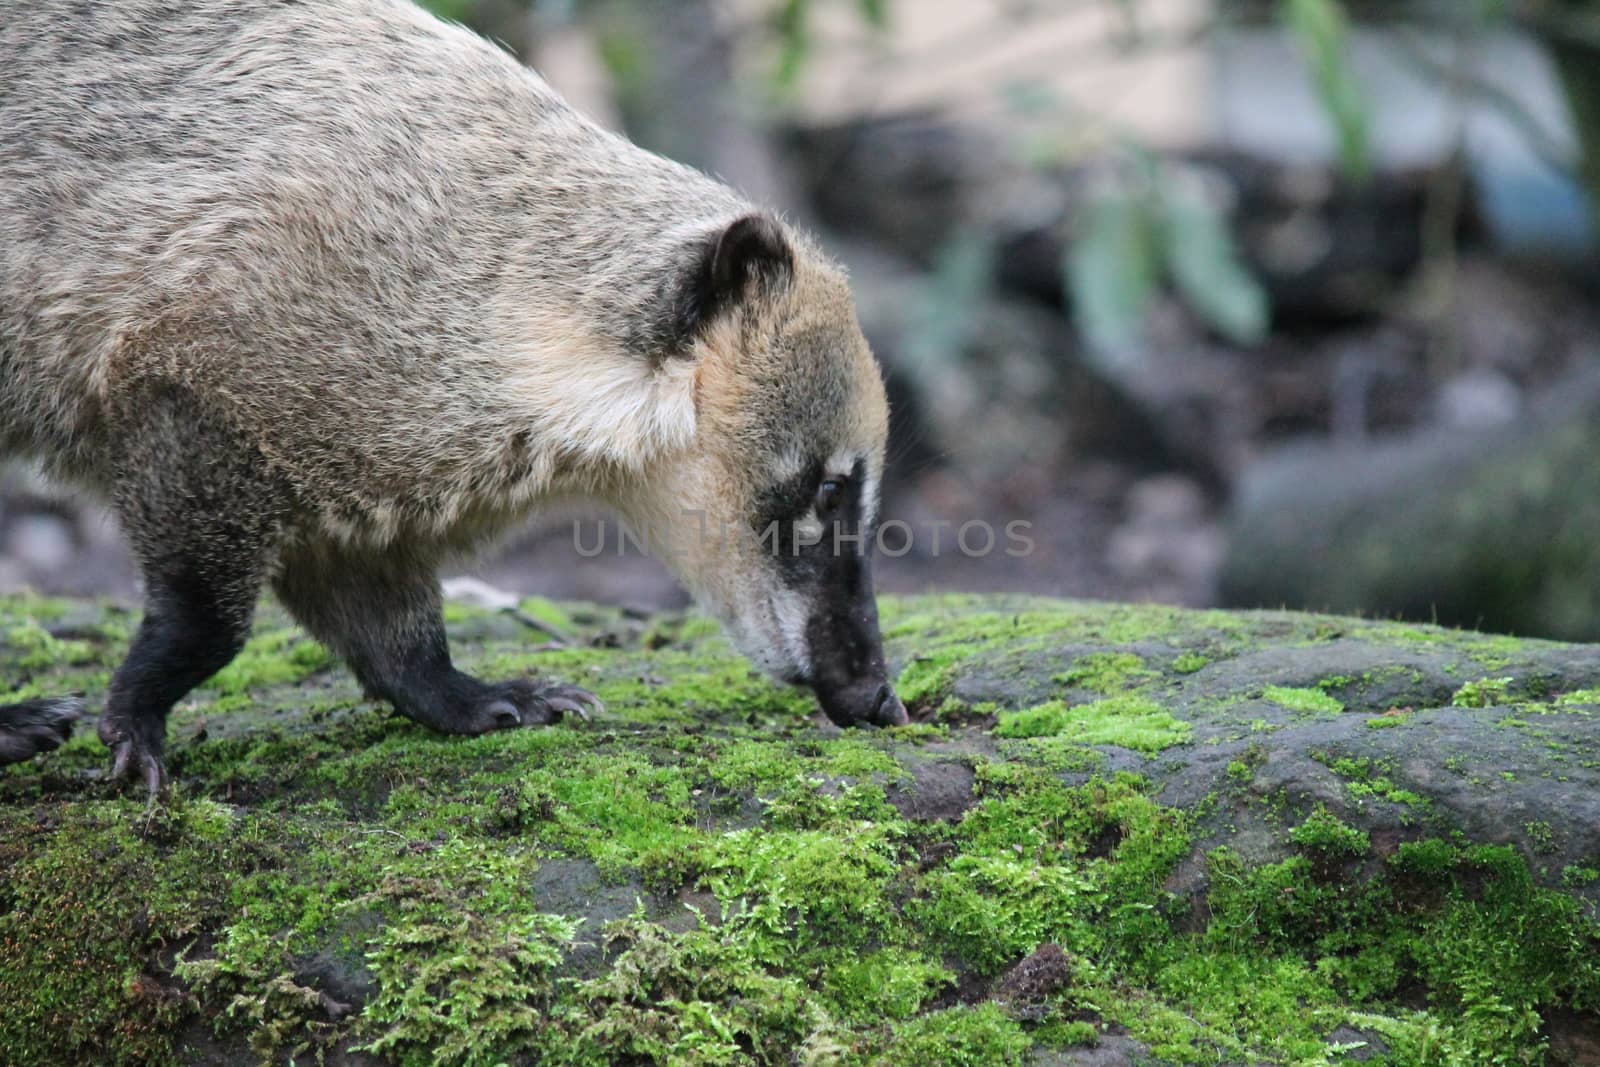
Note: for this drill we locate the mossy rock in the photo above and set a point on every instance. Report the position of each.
(1116, 834)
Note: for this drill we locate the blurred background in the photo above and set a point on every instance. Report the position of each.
(1287, 302)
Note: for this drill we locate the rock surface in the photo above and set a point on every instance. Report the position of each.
(1493, 525)
(1116, 835)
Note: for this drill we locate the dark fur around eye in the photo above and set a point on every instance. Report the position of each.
(830, 497)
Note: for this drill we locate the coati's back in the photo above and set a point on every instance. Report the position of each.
(296, 197)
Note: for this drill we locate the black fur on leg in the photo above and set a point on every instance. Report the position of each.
(36, 726)
(203, 513)
(381, 612)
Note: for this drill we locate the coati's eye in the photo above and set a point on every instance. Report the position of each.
(830, 497)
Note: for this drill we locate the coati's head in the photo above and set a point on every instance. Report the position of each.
(768, 512)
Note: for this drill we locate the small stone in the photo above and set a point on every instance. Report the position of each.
(44, 542)
(1479, 400)
(1025, 990)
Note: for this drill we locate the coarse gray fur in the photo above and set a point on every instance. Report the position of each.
(317, 293)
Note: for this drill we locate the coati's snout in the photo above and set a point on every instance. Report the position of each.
(809, 616)
(846, 650)
(772, 510)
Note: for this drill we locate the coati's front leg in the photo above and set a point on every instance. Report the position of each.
(203, 515)
(380, 611)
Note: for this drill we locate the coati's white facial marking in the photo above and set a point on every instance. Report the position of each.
(767, 624)
(793, 613)
(787, 466)
(807, 530)
(788, 613)
(841, 465)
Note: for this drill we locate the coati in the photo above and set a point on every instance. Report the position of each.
(318, 294)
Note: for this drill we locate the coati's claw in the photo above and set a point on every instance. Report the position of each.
(571, 698)
(36, 726)
(133, 757)
(513, 704)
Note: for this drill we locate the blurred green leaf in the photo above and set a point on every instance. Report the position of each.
(1128, 33)
(623, 55)
(1321, 29)
(876, 12)
(1111, 270)
(1030, 98)
(450, 10)
(1205, 267)
(947, 309)
(794, 41)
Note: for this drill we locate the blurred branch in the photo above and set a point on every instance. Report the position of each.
(1547, 146)
(1573, 22)
(1442, 210)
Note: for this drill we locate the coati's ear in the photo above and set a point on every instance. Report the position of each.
(750, 255)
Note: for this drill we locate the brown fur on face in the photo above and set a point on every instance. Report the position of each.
(783, 384)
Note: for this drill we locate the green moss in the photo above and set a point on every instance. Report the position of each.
(278, 657)
(1041, 862)
(554, 615)
(1062, 1034)
(1128, 721)
(1190, 662)
(831, 888)
(787, 912)
(697, 998)
(465, 989)
(1326, 834)
(35, 607)
(89, 900)
(891, 983)
(1576, 876)
(1483, 693)
(1289, 951)
(1492, 652)
(946, 635)
(1056, 753)
(926, 679)
(958, 1037)
(1541, 838)
(1367, 778)
(1106, 673)
(32, 648)
(1307, 701)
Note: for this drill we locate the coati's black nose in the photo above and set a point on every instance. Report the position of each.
(865, 703)
(889, 710)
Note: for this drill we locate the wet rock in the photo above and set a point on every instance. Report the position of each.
(1574, 1040)
(702, 850)
(1112, 1050)
(940, 790)
(44, 542)
(1493, 526)
(1370, 1046)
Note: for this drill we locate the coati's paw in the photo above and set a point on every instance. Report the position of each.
(512, 704)
(135, 755)
(36, 726)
